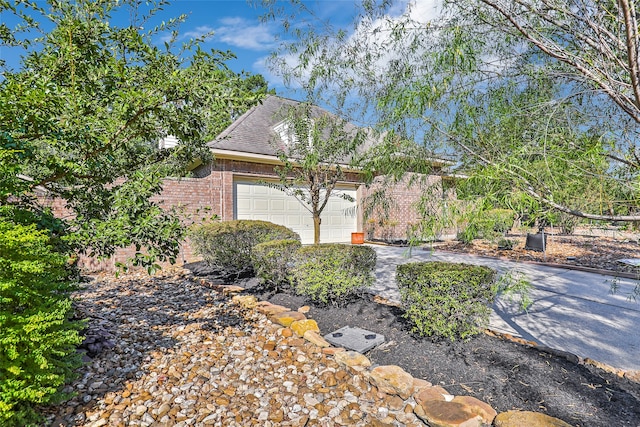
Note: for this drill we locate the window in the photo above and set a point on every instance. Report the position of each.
(287, 134)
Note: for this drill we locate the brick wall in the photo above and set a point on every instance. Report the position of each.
(402, 197)
(211, 192)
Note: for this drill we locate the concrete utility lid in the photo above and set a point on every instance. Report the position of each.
(356, 339)
(630, 261)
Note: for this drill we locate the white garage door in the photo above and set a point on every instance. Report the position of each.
(257, 201)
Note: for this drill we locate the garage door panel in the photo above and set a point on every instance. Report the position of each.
(278, 219)
(260, 190)
(277, 205)
(259, 205)
(295, 221)
(254, 201)
(244, 205)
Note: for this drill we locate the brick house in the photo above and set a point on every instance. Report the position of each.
(232, 187)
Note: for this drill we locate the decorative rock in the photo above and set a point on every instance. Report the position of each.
(351, 359)
(392, 379)
(315, 338)
(163, 409)
(332, 350)
(140, 409)
(245, 301)
(286, 332)
(378, 423)
(304, 309)
(430, 393)
(478, 407)
(633, 376)
(448, 414)
(302, 326)
(231, 289)
(286, 318)
(269, 309)
(527, 418)
(420, 384)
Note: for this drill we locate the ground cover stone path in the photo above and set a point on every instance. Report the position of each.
(184, 354)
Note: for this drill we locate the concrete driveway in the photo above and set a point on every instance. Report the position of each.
(572, 310)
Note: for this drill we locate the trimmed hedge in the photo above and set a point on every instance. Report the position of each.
(228, 245)
(273, 259)
(447, 299)
(331, 273)
(37, 338)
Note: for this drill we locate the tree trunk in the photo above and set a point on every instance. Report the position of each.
(316, 229)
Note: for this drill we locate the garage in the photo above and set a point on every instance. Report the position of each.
(260, 202)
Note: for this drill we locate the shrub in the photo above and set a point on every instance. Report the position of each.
(333, 272)
(446, 299)
(487, 224)
(506, 244)
(228, 245)
(272, 260)
(37, 339)
(500, 220)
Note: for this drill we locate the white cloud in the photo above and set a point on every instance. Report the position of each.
(245, 34)
(197, 32)
(200, 31)
(265, 67)
(424, 10)
(366, 36)
(235, 31)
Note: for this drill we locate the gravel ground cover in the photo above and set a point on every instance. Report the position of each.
(171, 351)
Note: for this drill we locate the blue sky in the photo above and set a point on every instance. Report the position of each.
(236, 26)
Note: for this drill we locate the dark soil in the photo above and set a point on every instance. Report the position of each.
(505, 374)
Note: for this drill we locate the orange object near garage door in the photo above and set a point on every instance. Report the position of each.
(357, 238)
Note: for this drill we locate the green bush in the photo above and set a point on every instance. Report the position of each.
(228, 245)
(272, 260)
(500, 220)
(487, 224)
(333, 272)
(37, 339)
(446, 299)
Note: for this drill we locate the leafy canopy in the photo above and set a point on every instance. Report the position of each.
(316, 150)
(84, 111)
(540, 97)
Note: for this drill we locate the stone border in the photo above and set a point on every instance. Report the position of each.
(432, 405)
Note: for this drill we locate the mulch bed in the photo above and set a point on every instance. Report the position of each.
(506, 374)
(597, 252)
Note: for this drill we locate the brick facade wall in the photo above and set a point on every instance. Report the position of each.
(211, 190)
(403, 197)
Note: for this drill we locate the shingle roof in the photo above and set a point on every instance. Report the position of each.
(253, 131)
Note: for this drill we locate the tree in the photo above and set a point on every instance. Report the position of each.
(542, 93)
(80, 120)
(316, 151)
(82, 115)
